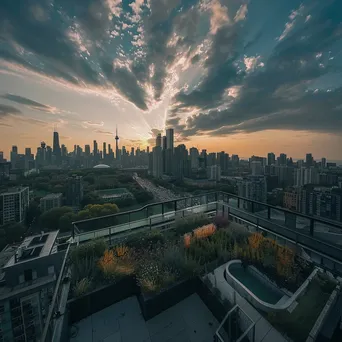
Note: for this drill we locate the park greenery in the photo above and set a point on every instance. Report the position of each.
(55, 181)
(62, 218)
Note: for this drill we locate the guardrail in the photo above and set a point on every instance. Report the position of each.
(56, 325)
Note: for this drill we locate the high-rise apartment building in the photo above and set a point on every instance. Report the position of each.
(211, 159)
(28, 278)
(254, 188)
(180, 161)
(257, 168)
(324, 163)
(194, 158)
(13, 205)
(282, 159)
(157, 161)
(74, 191)
(14, 156)
(235, 160)
(222, 161)
(51, 201)
(320, 201)
(309, 160)
(214, 173)
(291, 199)
(270, 158)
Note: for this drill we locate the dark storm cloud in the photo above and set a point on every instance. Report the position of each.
(280, 96)
(71, 41)
(6, 110)
(45, 36)
(127, 83)
(221, 71)
(27, 102)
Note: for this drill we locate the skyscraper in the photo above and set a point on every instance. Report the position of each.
(194, 155)
(282, 159)
(95, 150)
(309, 160)
(164, 142)
(169, 138)
(56, 149)
(157, 161)
(104, 151)
(74, 191)
(87, 150)
(324, 163)
(158, 140)
(270, 158)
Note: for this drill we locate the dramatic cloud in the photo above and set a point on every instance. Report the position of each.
(100, 131)
(288, 90)
(8, 110)
(213, 67)
(29, 103)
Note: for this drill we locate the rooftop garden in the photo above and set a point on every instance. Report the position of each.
(197, 245)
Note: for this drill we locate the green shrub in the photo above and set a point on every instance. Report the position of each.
(186, 224)
(82, 287)
(94, 248)
(175, 258)
(83, 268)
(146, 240)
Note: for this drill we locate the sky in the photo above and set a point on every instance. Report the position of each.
(246, 77)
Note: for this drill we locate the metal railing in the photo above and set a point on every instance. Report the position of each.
(312, 232)
(57, 320)
(236, 326)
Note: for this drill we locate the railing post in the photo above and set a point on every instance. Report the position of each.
(268, 213)
(175, 205)
(163, 209)
(312, 225)
(238, 204)
(252, 207)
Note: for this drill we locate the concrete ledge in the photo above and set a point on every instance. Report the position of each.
(323, 315)
(256, 301)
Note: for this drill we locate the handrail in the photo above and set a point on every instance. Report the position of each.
(55, 294)
(290, 230)
(284, 210)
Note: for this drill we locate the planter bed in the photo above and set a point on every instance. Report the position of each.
(152, 305)
(101, 298)
(298, 324)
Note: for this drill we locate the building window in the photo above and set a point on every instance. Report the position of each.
(21, 279)
(51, 270)
(28, 275)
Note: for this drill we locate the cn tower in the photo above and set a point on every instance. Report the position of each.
(117, 144)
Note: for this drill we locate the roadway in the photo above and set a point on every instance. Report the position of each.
(159, 193)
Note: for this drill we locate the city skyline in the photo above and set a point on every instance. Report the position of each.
(238, 76)
(111, 144)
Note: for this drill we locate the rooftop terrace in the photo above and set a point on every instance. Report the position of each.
(310, 238)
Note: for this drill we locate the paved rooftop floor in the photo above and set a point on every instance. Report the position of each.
(187, 321)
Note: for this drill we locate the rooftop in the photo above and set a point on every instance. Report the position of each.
(13, 190)
(190, 320)
(32, 247)
(101, 166)
(52, 196)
